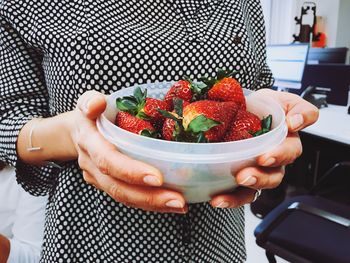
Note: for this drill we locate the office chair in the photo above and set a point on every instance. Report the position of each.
(308, 228)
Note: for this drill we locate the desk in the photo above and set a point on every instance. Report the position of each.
(325, 143)
(333, 124)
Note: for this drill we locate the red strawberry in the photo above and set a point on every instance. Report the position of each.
(247, 125)
(237, 135)
(151, 108)
(142, 107)
(247, 121)
(131, 123)
(186, 90)
(228, 89)
(173, 129)
(225, 88)
(181, 90)
(168, 129)
(244, 126)
(221, 112)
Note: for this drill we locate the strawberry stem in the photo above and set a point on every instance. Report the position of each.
(199, 89)
(134, 104)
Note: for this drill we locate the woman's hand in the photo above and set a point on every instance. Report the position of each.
(270, 170)
(126, 180)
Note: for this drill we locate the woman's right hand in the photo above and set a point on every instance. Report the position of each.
(126, 180)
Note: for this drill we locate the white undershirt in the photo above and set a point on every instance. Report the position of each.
(22, 219)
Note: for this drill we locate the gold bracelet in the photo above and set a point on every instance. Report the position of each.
(31, 148)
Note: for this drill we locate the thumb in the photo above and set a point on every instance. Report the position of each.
(92, 104)
(300, 114)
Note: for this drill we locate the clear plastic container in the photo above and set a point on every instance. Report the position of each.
(199, 171)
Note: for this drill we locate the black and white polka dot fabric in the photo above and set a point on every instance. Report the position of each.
(52, 51)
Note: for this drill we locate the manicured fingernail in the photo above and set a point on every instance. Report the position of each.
(86, 106)
(151, 180)
(183, 211)
(250, 180)
(296, 121)
(270, 161)
(223, 204)
(175, 204)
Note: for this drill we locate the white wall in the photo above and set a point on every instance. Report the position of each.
(329, 10)
(266, 6)
(283, 25)
(282, 19)
(343, 33)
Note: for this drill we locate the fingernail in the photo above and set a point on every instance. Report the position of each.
(296, 121)
(250, 180)
(270, 161)
(223, 204)
(86, 106)
(183, 211)
(175, 204)
(151, 180)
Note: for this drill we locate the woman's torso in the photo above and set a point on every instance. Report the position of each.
(108, 45)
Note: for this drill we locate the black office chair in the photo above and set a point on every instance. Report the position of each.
(308, 228)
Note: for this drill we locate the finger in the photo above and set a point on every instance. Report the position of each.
(111, 162)
(260, 177)
(238, 198)
(299, 112)
(284, 154)
(146, 198)
(89, 179)
(92, 104)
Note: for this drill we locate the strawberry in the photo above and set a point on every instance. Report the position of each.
(186, 90)
(221, 112)
(151, 106)
(168, 129)
(174, 130)
(247, 125)
(247, 121)
(225, 88)
(142, 107)
(237, 135)
(128, 122)
(181, 90)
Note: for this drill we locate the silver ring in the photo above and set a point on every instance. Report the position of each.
(256, 195)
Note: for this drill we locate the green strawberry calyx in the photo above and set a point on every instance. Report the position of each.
(266, 124)
(220, 74)
(150, 134)
(199, 89)
(134, 104)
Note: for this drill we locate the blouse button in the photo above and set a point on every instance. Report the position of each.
(237, 40)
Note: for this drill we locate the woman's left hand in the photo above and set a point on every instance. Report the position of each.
(270, 170)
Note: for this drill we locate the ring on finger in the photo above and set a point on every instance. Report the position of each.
(256, 195)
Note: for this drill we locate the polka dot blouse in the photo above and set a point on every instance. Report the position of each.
(52, 51)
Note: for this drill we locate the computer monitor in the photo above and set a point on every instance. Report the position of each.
(327, 55)
(331, 80)
(287, 63)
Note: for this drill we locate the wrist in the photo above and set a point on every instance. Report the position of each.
(50, 137)
(65, 123)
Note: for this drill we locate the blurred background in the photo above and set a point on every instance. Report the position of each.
(307, 218)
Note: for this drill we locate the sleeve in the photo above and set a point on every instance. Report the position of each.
(265, 79)
(28, 229)
(22, 253)
(23, 96)
(256, 21)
